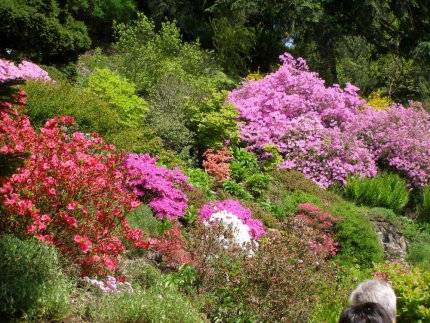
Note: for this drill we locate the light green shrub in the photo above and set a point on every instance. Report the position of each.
(412, 288)
(46, 100)
(120, 94)
(32, 285)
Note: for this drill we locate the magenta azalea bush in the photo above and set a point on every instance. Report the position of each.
(25, 70)
(255, 226)
(157, 185)
(398, 137)
(328, 133)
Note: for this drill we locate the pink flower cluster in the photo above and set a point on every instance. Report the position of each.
(111, 285)
(158, 186)
(398, 137)
(255, 226)
(68, 192)
(326, 155)
(322, 224)
(329, 133)
(25, 70)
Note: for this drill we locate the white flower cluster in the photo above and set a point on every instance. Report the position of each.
(240, 230)
(111, 285)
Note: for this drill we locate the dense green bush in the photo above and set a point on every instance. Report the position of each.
(32, 285)
(385, 190)
(358, 242)
(120, 94)
(42, 31)
(424, 205)
(46, 100)
(92, 114)
(146, 55)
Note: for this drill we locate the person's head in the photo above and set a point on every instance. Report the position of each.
(376, 291)
(365, 313)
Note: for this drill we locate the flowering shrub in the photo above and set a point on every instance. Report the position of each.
(25, 70)
(399, 138)
(330, 133)
(69, 192)
(293, 110)
(171, 247)
(216, 163)
(158, 186)
(240, 231)
(269, 104)
(255, 227)
(284, 280)
(110, 285)
(326, 155)
(322, 224)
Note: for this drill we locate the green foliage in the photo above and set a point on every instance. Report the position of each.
(213, 120)
(99, 15)
(358, 242)
(145, 55)
(273, 158)
(142, 218)
(235, 189)
(385, 190)
(120, 94)
(424, 205)
(246, 171)
(46, 100)
(233, 43)
(32, 285)
(290, 181)
(42, 31)
(412, 288)
(200, 180)
(154, 304)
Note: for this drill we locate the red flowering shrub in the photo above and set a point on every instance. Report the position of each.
(321, 224)
(171, 247)
(68, 191)
(216, 163)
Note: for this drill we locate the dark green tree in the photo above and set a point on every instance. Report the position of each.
(42, 31)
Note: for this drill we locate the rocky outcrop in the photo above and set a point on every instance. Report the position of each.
(391, 238)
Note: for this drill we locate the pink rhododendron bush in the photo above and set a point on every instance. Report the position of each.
(25, 70)
(68, 191)
(231, 212)
(398, 137)
(328, 133)
(158, 186)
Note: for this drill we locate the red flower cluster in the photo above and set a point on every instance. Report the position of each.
(68, 191)
(216, 163)
(321, 223)
(171, 247)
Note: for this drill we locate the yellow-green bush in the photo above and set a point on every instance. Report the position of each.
(412, 288)
(379, 102)
(120, 94)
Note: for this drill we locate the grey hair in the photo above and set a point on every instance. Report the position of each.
(376, 291)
